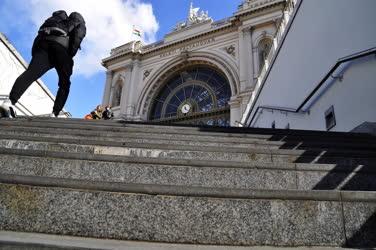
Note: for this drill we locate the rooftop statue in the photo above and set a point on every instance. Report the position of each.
(194, 16)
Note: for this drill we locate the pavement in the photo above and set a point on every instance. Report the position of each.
(33, 241)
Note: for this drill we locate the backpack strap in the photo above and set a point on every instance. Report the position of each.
(53, 31)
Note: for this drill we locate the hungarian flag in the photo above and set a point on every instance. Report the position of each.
(136, 32)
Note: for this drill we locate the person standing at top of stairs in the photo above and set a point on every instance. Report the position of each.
(57, 42)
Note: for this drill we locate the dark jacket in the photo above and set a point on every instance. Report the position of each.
(77, 32)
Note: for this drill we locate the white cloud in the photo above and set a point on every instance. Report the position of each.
(109, 24)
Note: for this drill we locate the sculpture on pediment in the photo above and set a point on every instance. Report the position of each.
(194, 16)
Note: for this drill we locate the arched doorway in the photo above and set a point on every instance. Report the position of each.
(196, 95)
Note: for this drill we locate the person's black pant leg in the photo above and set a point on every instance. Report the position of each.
(63, 63)
(39, 65)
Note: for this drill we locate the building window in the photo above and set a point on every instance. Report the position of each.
(116, 95)
(197, 95)
(330, 118)
(263, 51)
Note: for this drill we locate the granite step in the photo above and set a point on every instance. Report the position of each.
(180, 127)
(184, 184)
(112, 126)
(194, 140)
(218, 174)
(160, 139)
(173, 214)
(341, 157)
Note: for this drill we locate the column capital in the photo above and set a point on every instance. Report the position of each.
(129, 68)
(246, 29)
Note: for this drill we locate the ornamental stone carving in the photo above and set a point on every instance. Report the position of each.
(230, 50)
(147, 73)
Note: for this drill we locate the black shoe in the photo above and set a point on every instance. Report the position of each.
(12, 112)
(7, 109)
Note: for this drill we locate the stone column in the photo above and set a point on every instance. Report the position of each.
(256, 62)
(132, 90)
(242, 60)
(252, 78)
(126, 78)
(245, 62)
(107, 88)
(235, 111)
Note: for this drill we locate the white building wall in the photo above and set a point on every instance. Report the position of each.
(353, 99)
(322, 32)
(37, 100)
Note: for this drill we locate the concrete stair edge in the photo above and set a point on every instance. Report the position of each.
(173, 190)
(238, 150)
(79, 123)
(8, 133)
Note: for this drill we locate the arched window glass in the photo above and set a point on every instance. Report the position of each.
(263, 51)
(196, 95)
(116, 94)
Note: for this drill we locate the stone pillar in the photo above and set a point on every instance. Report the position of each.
(256, 62)
(243, 69)
(134, 91)
(235, 111)
(134, 82)
(126, 78)
(107, 88)
(252, 78)
(245, 60)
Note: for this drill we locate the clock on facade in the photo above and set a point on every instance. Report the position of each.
(186, 108)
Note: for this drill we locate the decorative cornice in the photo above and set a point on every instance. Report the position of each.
(167, 46)
(253, 5)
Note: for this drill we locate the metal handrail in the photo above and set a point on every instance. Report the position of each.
(340, 61)
(282, 109)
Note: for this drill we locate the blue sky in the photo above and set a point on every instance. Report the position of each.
(20, 19)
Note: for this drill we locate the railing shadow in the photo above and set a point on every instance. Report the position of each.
(348, 172)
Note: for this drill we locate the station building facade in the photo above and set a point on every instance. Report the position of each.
(203, 72)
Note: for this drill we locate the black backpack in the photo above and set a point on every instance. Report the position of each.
(59, 19)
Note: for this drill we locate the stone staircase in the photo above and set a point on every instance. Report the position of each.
(190, 185)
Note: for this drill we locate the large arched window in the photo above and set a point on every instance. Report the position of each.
(263, 51)
(196, 95)
(116, 94)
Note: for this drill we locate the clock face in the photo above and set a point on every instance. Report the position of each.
(185, 108)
